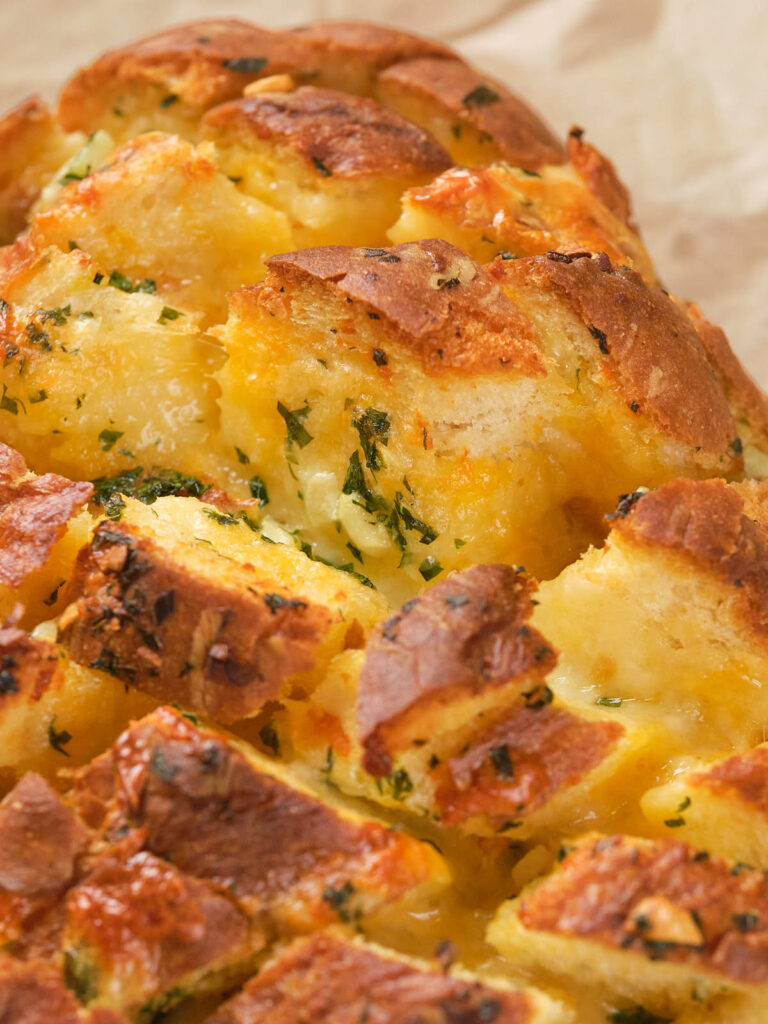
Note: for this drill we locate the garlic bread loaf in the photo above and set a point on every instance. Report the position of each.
(383, 594)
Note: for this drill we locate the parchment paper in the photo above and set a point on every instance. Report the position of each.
(675, 91)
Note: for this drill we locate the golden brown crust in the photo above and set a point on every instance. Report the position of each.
(643, 897)
(743, 777)
(326, 980)
(643, 341)
(200, 804)
(360, 42)
(600, 176)
(747, 400)
(34, 512)
(23, 130)
(526, 215)
(712, 524)
(28, 665)
(521, 764)
(42, 840)
(135, 908)
(462, 93)
(201, 64)
(34, 993)
(163, 624)
(441, 306)
(465, 635)
(335, 134)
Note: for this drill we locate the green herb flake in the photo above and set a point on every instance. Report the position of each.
(108, 438)
(401, 784)
(373, 427)
(80, 977)
(430, 568)
(501, 761)
(745, 922)
(294, 425)
(242, 458)
(338, 899)
(58, 739)
(258, 490)
(674, 822)
(481, 96)
(169, 100)
(320, 166)
(245, 65)
(167, 314)
(609, 702)
(39, 397)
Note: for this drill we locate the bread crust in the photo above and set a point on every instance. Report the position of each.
(329, 980)
(28, 665)
(34, 512)
(544, 750)
(440, 306)
(600, 176)
(377, 46)
(748, 401)
(334, 134)
(34, 993)
(460, 92)
(201, 63)
(719, 527)
(643, 342)
(468, 633)
(181, 632)
(743, 777)
(607, 889)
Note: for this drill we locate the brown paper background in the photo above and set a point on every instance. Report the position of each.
(675, 91)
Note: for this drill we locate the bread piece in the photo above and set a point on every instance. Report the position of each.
(333, 980)
(749, 404)
(655, 923)
(161, 211)
(447, 715)
(404, 395)
(42, 843)
(674, 611)
(34, 993)
(89, 372)
(475, 117)
(166, 81)
(335, 164)
(55, 714)
(182, 855)
(192, 604)
(721, 806)
(32, 147)
(500, 209)
(41, 529)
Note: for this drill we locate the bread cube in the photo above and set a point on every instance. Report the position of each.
(328, 979)
(656, 924)
(194, 605)
(335, 164)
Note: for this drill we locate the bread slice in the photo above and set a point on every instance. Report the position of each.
(336, 164)
(74, 329)
(329, 978)
(655, 924)
(192, 604)
(42, 526)
(721, 806)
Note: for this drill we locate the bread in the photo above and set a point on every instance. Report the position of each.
(342, 407)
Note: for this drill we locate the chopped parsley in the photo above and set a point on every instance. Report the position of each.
(167, 314)
(294, 425)
(372, 427)
(124, 284)
(430, 568)
(245, 65)
(242, 458)
(108, 438)
(58, 739)
(481, 96)
(268, 736)
(636, 1015)
(338, 899)
(609, 702)
(320, 166)
(502, 763)
(169, 100)
(258, 490)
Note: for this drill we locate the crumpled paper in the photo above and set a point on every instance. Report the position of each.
(674, 91)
